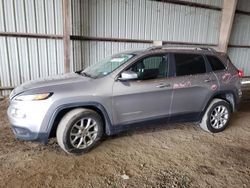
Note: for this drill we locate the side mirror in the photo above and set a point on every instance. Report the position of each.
(128, 75)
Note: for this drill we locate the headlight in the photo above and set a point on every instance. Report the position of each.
(35, 97)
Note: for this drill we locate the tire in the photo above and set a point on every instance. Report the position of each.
(208, 122)
(79, 125)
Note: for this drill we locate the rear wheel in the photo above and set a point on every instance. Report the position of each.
(79, 131)
(217, 116)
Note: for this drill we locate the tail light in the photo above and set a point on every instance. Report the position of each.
(240, 73)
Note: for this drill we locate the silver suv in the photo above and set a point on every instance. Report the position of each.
(125, 91)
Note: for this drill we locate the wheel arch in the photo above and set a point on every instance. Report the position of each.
(63, 109)
(228, 96)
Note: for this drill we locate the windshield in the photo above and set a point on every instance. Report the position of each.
(106, 66)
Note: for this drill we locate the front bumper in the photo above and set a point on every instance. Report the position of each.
(26, 118)
(27, 135)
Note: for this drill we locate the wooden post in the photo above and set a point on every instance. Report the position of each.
(66, 34)
(157, 43)
(227, 19)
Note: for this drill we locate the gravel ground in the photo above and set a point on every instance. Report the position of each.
(176, 155)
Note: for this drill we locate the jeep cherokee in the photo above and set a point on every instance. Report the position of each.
(125, 91)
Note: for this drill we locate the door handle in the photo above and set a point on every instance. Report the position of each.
(163, 85)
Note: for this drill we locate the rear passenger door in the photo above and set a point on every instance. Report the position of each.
(193, 84)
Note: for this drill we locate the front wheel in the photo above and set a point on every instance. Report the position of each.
(216, 117)
(79, 131)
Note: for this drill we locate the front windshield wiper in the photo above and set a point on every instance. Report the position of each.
(78, 72)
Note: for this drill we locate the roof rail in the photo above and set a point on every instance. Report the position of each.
(154, 48)
(176, 46)
(166, 46)
(206, 48)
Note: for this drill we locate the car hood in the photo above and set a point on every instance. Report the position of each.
(61, 79)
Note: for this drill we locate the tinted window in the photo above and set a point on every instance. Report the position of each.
(151, 67)
(187, 64)
(215, 63)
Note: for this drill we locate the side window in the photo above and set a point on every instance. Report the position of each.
(151, 67)
(188, 64)
(215, 63)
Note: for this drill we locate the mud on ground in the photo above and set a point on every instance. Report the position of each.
(176, 155)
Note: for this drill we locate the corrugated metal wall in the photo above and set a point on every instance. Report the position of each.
(31, 16)
(23, 59)
(88, 52)
(26, 59)
(217, 3)
(241, 58)
(241, 37)
(144, 19)
(243, 5)
(140, 19)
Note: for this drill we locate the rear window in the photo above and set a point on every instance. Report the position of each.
(215, 63)
(188, 64)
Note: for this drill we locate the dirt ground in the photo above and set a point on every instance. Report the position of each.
(177, 155)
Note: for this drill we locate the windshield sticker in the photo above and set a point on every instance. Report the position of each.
(119, 60)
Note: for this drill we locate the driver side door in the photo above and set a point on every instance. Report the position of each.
(146, 98)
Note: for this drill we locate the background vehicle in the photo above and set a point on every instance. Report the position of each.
(125, 91)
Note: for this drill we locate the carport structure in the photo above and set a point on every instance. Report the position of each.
(39, 38)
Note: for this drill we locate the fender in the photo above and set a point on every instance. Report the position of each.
(108, 124)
